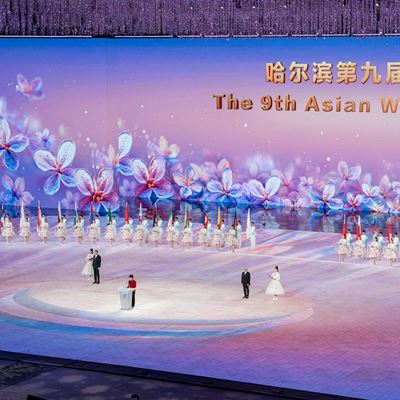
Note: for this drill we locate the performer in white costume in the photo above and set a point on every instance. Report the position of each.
(98, 224)
(349, 239)
(170, 237)
(139, 233)
(61, 230)
(110, 234)
(342, 249)
(155, 235)
(146, 230)
(202, 237)
(358, 250)
(223, 233)
(209, 233)
(396, 242)
(78, 229)
(8, 231)
(187, 238)
(94, 232)
(44, 229)
(177, 232)
(25, 232)
(127, 233)
(381, 241)
(217, 239)
(239, 231)
(160, 226)
(88, 268)
(275, 287)
(390, 253)
(374, 250)
(231, 240)
(253, 236)
(364, 241)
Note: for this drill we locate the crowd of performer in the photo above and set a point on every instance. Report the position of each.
(153, 231)
(360, 247)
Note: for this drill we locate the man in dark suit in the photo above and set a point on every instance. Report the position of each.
(246, 282)
(96, 266)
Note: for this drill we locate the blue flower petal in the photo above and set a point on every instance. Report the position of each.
(11, 160)
(51, 184)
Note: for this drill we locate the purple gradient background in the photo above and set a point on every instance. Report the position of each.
(164, 87)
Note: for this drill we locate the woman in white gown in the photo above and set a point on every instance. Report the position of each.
(25, 232)
(88, 268)
(139, 233)
(342, 249)
(94, 232)
(202, 237)
(44, 230)
(358, 250)
(61, 230)
(231, 240)
(275, 287)
(374, 250)
(110, 232)
(78, 230)
(390, 253)
(217, 238)
(170, 237)
(127, 233)
(8, 231)
(155, 235)
(187, 238)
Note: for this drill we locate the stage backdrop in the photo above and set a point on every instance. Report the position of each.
(275, 122)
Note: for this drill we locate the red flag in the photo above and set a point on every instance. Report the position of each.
(344, 228)
(358, 228)
(126, 213)
(235, 220)
(389, 232)
(374, 230)
(206, 220)
(59, 212)
(39, 217)
(91, 213)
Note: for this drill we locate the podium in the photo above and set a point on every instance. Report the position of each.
(125, 298)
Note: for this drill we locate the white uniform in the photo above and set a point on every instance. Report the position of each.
(217, 239)
(94, 231)
(374, 250)
(61, 229)
(253, 237)
(239, 235)
(78, 229)
(358, 250)
(390, 252)
(202, 237)
(44, 230)
(139, 232)
(127, 232)
(8, 231)
(231, 240)
(155, 235)
(25, 229)
(342, 248)
(110, 232)
(187, 238)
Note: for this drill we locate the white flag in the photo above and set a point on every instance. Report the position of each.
(22, 216)
(248, 225)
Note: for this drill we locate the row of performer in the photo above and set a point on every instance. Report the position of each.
(146, 231)
(362, 248)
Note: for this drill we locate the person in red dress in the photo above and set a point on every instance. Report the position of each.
(132, 285)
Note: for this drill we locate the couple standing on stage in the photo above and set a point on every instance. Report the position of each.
(92, 266)
(274, 288)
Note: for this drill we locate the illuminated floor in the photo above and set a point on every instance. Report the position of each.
(336, 331)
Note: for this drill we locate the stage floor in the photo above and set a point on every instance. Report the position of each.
(336, 331)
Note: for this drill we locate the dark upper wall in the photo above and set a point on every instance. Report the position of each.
(207, 17)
